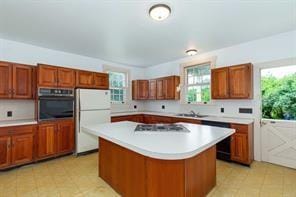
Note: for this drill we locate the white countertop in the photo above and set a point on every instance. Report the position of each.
(210, 118)
(9, 123)
(161, 145)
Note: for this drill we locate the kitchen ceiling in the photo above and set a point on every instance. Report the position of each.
(122, 31)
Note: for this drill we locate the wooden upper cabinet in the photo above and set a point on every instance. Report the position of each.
(152, 89)
(234, 82)
(22, 149)
(170, 85)
(241, 81)
(47, 75)
(22, 81)
(160, 93)
(84, 79)
(65, 136)
(5, 80)
(46, 138)
(219, 83)
(101, 80)
(66, 78)
(140, 89)
(5, 144)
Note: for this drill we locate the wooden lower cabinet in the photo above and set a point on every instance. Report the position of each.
(65, 137)
(5, 151)
(22, 148)
(16, 145)
(55, 138)
(46, 140)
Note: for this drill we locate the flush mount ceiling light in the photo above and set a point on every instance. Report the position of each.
(159, 12)
(191, 52)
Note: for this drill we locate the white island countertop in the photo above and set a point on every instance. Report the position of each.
(161, 145)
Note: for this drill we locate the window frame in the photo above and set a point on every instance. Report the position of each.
(184, 79)
(126, 72)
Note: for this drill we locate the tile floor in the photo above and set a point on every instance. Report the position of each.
(71, 176)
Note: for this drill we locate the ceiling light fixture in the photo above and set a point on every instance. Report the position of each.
(191, 52)
(159, 12)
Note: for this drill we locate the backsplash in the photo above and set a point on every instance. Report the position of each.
(21, 109)
(130, 106)
(230, 108)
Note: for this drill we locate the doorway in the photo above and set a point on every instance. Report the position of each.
(278, 115)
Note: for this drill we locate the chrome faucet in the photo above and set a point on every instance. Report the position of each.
(193, 113)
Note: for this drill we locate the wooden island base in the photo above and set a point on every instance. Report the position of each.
(135, 175)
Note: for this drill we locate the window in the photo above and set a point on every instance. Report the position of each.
(118, 86)
(197, 83)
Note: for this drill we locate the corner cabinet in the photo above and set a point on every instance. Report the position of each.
(164, 88)
(16, 145)
(55, 138)
(234, 82)
(16, 81)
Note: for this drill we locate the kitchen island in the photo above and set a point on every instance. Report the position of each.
(158, 163)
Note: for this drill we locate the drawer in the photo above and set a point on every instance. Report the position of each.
(192, 121)
(240, 128)
(15, 130)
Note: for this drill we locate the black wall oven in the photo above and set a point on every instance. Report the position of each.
(55, 103)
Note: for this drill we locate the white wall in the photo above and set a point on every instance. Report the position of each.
(265, 51)
(29, 54)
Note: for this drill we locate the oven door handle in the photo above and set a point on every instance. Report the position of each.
(64, 98)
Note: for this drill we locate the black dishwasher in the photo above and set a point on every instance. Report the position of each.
(223, 147)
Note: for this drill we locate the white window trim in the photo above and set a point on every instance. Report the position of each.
(183, 82)
(107, 68)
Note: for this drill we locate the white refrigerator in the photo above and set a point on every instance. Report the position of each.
(92, 106)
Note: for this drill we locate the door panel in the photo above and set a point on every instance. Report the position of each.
(84, 79)
(152, 89)
(240, 81)
(101, 80)
(239, 147)
(5, 80)
(5, 151)
(94, 99)
(279, 142)
(47, 75)
(22, 81)
(65, 137)
(160, 94)
(46, 140)
(66, 78)
(22, 149)
(219, 84)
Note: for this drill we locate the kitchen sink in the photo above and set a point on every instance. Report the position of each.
(192, 115)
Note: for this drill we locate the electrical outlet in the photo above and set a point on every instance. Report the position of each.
(9, 114)
(163, 107)
(222, 109)
(135, 106)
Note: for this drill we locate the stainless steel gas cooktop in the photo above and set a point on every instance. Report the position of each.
(161, 128)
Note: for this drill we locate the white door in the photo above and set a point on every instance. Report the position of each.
(279, 142)
(94, 99)
(84, 140)
(278, 123)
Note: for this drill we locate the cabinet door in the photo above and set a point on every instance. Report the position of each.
(5, 80)
(46, 140)
(240, 81)
(140, 89)
(84, 79)
(239, 147)
(152, 89)
(22, 149)
(101, 80)
(66, 78)
(4, 151)
(65, 137)
(22, 81)
(47, 75)
(220, 85)
(160, 93)
(169, 88)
